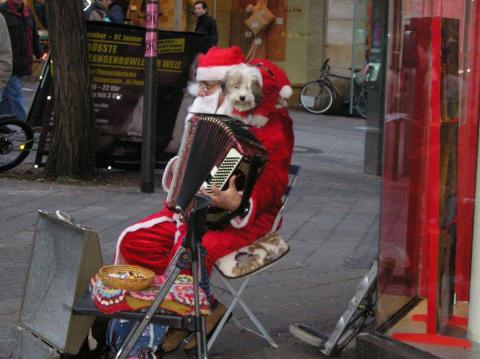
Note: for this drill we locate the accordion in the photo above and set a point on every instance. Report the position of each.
(213, 149)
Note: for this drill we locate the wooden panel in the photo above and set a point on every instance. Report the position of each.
(169, 18)
(277, 31)
(136, 13)
(238, 30)
(449, 105)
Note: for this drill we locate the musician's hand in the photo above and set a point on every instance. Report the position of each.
(228, 199)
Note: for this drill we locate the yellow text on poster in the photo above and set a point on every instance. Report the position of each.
(171, 46)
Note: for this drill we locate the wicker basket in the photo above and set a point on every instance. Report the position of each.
(126, 277)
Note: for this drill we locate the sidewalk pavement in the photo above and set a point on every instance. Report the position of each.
(331, 225)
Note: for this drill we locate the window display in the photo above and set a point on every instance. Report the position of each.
(430, 154)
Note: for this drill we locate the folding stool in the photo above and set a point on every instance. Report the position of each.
(225, 276)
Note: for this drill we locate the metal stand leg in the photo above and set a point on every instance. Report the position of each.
(201, 333)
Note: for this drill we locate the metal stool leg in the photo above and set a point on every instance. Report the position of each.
(232, 305)
(237, 299)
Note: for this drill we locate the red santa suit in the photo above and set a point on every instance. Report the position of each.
(152, 241)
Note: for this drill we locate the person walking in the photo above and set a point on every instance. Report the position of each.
(5, 54)
(205, 23)
(25, 43)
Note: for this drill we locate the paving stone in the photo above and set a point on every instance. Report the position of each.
(331, 224)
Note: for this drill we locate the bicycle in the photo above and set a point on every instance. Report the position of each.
(322, 96)
(16, 142)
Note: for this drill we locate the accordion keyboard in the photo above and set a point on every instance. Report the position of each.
(221, 175)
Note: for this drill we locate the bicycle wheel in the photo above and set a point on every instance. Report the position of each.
(307, 334)
(358, 321)
(317, 97)
(16, 141)
(361, 104)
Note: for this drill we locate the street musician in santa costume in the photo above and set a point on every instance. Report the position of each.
(152, 241)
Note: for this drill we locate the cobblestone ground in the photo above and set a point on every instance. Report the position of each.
(331, 226)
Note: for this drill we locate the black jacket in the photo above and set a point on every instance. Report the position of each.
(23, 36)
(116, 13)
(207, 25)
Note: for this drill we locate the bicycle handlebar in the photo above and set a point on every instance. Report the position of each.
(325, 64)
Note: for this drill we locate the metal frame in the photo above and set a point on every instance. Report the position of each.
(237, 293)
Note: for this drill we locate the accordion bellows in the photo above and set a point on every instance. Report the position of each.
(213, 149)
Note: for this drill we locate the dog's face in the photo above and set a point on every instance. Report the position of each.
(242, 88)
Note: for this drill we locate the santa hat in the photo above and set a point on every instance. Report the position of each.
(214, 65)
(281, 77)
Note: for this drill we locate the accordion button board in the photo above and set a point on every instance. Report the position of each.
(220, 175)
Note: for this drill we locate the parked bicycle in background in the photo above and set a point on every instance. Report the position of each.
(323, 96)
(16, 141)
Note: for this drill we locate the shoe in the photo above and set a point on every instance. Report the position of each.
(212, 322)
(174, 339)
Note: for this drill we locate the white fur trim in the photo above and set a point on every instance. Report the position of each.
(169, 170)
(240, 222)
(147, 224)
(193, 88)
(286, 91)
(213, 73)
(178, 222)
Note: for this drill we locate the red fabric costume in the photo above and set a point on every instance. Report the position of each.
(283, 86)
(151, 241)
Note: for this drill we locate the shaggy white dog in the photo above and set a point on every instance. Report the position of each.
(243, 92)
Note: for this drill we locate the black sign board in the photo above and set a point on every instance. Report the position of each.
(116, 57)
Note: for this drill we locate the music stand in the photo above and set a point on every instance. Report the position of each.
(187, 256)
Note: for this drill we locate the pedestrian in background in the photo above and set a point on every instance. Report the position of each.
(5, 54)
(97, 10)
(116, 12)
(25, 43)
(205, 23)
(40, 11)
